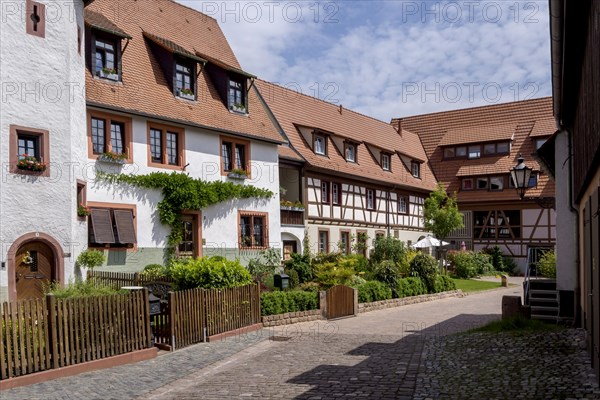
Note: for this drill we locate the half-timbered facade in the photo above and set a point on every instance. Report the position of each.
(359, 177)
(471, 152)
(165, 93)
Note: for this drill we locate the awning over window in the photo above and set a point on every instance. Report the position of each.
(125, 227)
(102, 226)
(173, 47)
(100, 22)
(225, 66)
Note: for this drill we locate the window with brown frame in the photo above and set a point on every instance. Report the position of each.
(467, 184)
(108, 133)
(235, 155)
(112, 227)
(320, 144)
(475, 150)
(336, 196)
(253, 230)
(497, 224)
(350, 151)
(81, 195)
(29, 150)
(402, 205)
(106, 55)
(35, 21)
(344, 242)
(371, 200)
(415, 169)
(166, 146)
(323, 241)
(385, 162)
(324, 192)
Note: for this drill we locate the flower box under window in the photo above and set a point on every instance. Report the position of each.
(237, 174)
(112, 158)
(241, 108)
(109, 74)
(30, 163)
(186, 94)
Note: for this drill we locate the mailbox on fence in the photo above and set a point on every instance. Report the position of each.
(154, 304)
(281, 281)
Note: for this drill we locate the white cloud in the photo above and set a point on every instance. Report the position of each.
(381, 59)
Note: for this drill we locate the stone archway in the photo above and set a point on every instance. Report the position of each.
(45, 241)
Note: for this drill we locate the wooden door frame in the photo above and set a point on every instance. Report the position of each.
(59, 259)
(199, 222)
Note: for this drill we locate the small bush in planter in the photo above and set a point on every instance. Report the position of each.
(411, 286)
(373, 291)
(425, 267)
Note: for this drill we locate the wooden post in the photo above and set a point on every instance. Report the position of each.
(52, 336)
(147, 318)
(136, 279)
(323, 303)
(171, 306)
(355, 293)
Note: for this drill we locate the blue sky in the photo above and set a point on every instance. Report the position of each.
(393, 58)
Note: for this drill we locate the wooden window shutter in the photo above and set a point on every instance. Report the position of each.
(125, 227)
(102, 226)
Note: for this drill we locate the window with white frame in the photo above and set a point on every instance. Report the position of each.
(402, 205)
(385, 161)
(320, 145)
(370, 199)
(415, 169)
(324, 192)
(350, 152)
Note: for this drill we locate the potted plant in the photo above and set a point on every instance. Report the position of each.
(30, 163)
(109, 73)
(238, 107)
(83, 210)
(114, 158)
(238, 173)
(186, 93)
(291, 205)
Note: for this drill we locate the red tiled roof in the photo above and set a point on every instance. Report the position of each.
(486, 133)
(102, 23)
(145, 89)
(293, 111)
(543, 127)
(522, 116)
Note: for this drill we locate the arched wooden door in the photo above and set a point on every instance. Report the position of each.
(34, 268)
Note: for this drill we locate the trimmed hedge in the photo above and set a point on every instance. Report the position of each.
(412, 286)
(273, 303)
(468, 264)
(373, 291)
(444, 283)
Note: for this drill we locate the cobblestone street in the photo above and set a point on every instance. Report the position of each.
(402, 353)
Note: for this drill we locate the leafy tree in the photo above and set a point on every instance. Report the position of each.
(441, 213)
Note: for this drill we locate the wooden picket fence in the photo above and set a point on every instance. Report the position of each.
(193, 315)
(42, 334)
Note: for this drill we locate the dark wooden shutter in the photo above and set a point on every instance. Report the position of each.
(125, 227)
(102, 226)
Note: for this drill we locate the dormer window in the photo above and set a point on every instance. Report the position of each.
(184, 85)
(106, 59)
(320, 145)
(237, 95)
(474, 151)
(415, 169)
(385, 161)
(350, 151)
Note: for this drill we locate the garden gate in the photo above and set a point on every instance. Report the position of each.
(340, 302)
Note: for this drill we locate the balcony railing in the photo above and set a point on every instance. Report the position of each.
(291, 216)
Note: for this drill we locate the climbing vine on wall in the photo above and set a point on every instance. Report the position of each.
(181, 192)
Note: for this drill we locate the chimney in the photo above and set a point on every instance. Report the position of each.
(341, 107)
(399, 126)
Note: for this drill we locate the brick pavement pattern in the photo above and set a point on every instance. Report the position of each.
(397, 353)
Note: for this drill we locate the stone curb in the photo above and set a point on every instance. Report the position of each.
(291, 318)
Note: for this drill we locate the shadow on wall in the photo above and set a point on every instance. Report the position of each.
(400, 361)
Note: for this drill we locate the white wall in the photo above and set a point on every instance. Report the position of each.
(43, 87)
(220, 221)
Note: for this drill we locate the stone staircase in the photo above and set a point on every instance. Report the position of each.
(543, 299)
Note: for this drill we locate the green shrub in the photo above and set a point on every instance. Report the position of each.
(425, 267)
(387, 272)
(330, 274)
(412, 286)
(301, 264)
(266, 263)
(312, 287)
(495, 257)
(80, 289)
(357, 280)
(294, 280)
(468, 264)
(91, 259)
(546, 266)
(273, 303)
(373, 291)
(388, 249)
(156, 270)
(213, 272)
(510, 266)
(443, 283)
